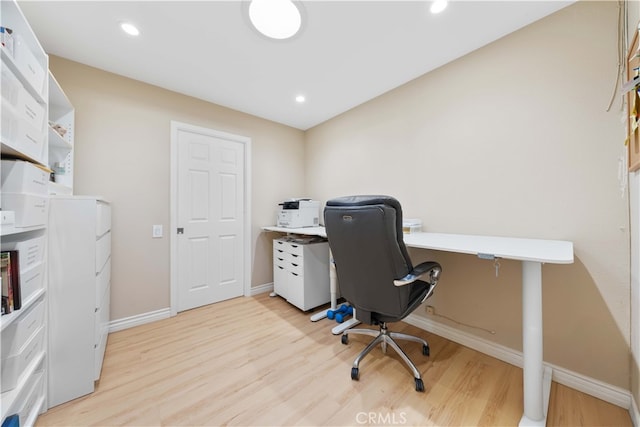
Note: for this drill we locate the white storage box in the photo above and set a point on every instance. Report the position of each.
(30, 110)
(13, 365)
(410, 225)
(32, 400)
(20, 134)
(23, 177)
(30, 210)
(31, 250)
(11, 86)
(28, 64)
(16, 335)
(31, 281)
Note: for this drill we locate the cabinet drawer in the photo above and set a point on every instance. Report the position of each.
(103, 251)
(280, 261)
(18, 333)
(293, 267)
(295, 290)
(102, 332)
(295, 248)
(102, 283)
(12, 366)
(103, 219)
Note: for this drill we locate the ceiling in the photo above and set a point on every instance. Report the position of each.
(347, 53)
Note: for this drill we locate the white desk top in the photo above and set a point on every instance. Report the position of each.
(310, 231)
(550, 251)
(538, 250)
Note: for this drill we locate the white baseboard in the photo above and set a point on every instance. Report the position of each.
(635, 414)
(260, 289)
(590, 386)
(165, 313)
(140, 319)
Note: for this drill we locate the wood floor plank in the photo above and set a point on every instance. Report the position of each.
(261, 362)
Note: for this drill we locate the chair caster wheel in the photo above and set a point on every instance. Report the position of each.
(355, 374)
(425, 350)
(345, 339)
(419, 385)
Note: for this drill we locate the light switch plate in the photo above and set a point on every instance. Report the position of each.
(157, 231)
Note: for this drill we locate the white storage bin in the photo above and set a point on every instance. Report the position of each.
(13, 365)
(20, 134)
(15, 336)
(31, 250)
(30, 210)
(23, 177)
(30, 110)
(11, 86)
(31, 69)
(31, 280)
(30, 403)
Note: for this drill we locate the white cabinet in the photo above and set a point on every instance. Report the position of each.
(79, 289)
(23, 135)
(301, 272)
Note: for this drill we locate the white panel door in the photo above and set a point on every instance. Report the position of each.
(210, 210)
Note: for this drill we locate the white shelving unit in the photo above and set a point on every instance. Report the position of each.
(25, 94)
(62, 113)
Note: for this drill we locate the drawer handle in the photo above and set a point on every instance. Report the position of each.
(294, 246)
(294, 255)
(279, 250)
(294, 264)
(280, 259)
(281, 268)
(295, 274)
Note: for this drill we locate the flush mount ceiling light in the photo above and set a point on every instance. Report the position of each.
(276, 19)
(438, 6)
(130, 29)
(300, 99)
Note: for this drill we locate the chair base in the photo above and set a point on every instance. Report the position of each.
(384, 338)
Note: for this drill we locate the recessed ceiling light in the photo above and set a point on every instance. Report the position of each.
(438, 6)
(300, 99)
(277, 19)
(130, 29)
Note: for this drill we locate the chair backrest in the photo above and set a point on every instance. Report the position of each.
(365, 237)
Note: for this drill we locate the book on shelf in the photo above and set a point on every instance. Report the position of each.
(10, 276)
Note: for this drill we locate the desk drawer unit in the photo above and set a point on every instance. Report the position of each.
(301, 272)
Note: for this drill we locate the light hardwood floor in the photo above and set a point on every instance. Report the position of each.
(261, 362)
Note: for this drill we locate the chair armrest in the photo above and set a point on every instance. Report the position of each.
(431, 267)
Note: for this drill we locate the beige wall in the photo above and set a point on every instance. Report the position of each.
(510, 140)
(122, 147)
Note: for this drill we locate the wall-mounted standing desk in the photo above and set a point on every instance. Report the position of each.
(532, 253)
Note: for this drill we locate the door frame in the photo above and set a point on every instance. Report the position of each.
(173, 213)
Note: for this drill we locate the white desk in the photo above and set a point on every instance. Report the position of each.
(532, 253)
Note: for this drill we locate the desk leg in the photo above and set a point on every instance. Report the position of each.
(534, 377)
(333, 290)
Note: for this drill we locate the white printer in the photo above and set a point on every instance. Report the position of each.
(298, 213)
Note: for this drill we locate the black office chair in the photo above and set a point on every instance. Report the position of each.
(375, 273)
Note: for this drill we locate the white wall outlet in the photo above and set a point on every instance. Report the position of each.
(157, 231)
